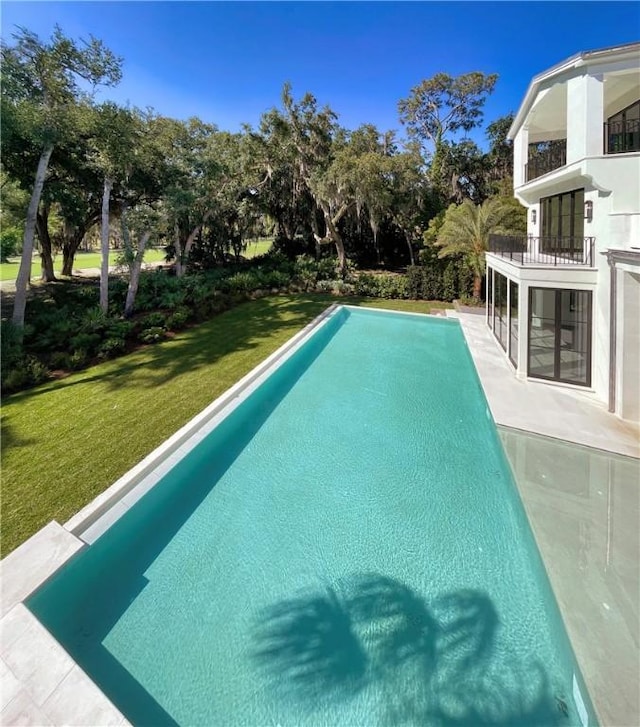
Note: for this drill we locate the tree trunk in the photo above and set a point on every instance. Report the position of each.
(374, 230)
(316, 234)
(181, 262)
(477, 286)
(336, 237)
(24, 273)
(407, 237)
(177, 245)
(46, 255)
(134, 277)
(104, 246)
(73, 237)
(69, 248)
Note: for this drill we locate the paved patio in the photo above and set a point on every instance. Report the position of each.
(555, 411)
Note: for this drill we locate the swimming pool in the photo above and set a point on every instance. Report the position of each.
(346, 547)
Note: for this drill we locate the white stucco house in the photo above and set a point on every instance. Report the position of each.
(564, 301)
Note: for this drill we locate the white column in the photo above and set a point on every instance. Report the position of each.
(585, 116)
(523, 328)
(520, 155)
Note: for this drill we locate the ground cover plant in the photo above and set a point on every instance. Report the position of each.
(65, 441)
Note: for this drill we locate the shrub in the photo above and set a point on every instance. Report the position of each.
(383, 285)
(415, 282)
(156, 286)
(14, 380)
(35, 369)
(153, 320)
(242, 283)
(60, 360)
(117, 328)
(366, 285)
(152, 335)
(112, 347)
(86, 342)
(78, 360)
(178, 319)
(325, 286)
(94, 320)
(342, 288)
(11, 350)
(450, 282)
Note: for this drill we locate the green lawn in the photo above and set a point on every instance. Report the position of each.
(83, 260)
(258, 247)
(64, 442)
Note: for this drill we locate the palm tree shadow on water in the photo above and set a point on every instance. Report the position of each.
(373, 638)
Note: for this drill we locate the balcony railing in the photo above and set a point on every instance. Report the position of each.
(544, 158)
(529, 250)
(622, 136)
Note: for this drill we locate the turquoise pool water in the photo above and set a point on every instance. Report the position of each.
(346, 548)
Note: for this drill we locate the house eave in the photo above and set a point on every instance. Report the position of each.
(610, 54)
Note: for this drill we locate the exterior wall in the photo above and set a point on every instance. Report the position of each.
(585, 114)
(574, 279)
(576, 99)
(628, 345)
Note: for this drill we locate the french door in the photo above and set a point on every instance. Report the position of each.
(559, 336)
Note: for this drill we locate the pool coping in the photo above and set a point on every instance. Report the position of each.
(56, 690)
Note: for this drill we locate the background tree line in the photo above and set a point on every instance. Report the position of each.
(74, 170)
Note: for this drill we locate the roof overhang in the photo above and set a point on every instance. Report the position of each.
(611, 54)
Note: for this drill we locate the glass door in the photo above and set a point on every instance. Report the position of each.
(560, 335)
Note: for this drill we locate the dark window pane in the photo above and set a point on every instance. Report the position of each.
(513, 323)
(575, 336)
(542, 332)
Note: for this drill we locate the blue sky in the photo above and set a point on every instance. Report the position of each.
(226, 61)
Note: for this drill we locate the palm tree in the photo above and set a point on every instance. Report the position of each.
(466, 231)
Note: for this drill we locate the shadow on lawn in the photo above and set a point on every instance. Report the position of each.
(9, 438)
(239, 329)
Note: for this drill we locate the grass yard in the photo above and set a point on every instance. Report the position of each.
(83, 260)
(66, 441)
(258, 247)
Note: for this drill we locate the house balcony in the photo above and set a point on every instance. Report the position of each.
(526, 250)
(544, 158)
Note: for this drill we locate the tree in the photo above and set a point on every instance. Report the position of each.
(466, 170)
(270, 161)
(442, 106)
(408, 195)
(500, 155)
(137, 228)
(466, 229)
(41, 81)
(116, 134)
(314, 135)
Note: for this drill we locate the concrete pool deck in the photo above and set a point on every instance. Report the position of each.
(40, 684)
(562, 412)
